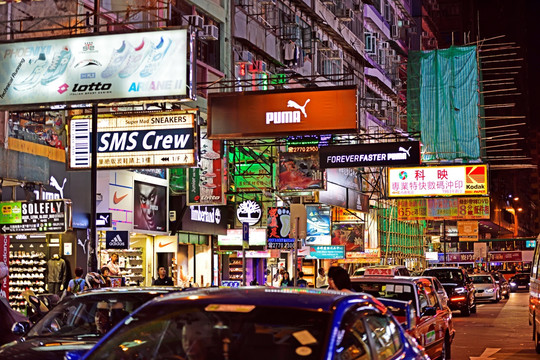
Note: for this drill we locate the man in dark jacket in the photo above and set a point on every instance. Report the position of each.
(163, 279)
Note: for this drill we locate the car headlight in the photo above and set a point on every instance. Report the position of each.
(460, 290)
(490, 290)
(512, 284)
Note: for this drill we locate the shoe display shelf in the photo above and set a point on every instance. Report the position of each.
(26, 272)
(235, 269)
(131, 265)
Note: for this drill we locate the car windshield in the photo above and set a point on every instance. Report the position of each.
(388, 290)
(482, 279)
(522, 277)
(88, 316)
(445, 275)
(218, 331)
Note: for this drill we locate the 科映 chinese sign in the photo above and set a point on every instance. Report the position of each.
(438, 181)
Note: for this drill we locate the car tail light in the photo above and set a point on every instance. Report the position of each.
(458, 298)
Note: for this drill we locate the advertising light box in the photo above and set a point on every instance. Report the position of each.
(41, 216)
(149, 140)
(438, 181)
(88, 68)
(257, 237)
(259, 114)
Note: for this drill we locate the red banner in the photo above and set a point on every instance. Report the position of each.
(4, 257)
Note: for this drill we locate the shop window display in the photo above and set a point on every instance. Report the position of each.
(130, 262)
(26, 271)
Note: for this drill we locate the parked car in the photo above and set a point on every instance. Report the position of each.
(504, 286)
(430, 311)
(486, 287)
(520, 281)
(458, 286)
(76, 323)
(439, 288)
(259, 323)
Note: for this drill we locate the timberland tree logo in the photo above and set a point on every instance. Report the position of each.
(288, 117)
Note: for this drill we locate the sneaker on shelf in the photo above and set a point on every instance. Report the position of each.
(208, 174)
(57, 68)
(156, 57)
(38, 66)
(208, 185)
(118, 60)
(209, 154)
(136, 58)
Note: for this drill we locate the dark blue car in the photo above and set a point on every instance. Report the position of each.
(259, 323)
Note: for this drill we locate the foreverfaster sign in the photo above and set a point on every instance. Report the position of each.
(157, 139)
(87, 68)
(383, 154)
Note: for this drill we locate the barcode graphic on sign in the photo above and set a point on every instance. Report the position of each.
(80, 143)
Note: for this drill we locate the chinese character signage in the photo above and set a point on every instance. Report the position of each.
(438, 181)
(326, 252)
(318, 225)
(455, 208)
(104, 67)
(146, 140)
(278, 228)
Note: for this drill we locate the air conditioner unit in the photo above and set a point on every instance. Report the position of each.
(413, 30)
(335, 55)
(196, 21)
(325, 45)
(391, 52)
(211, 32)
(258, 66)
(385, 45)
(395, 31)
(345, 14)
(246, 56)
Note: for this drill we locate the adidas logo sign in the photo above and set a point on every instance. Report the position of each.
(117, 241)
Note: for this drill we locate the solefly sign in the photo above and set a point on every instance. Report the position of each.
(42, 208)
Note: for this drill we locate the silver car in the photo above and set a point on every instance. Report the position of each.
(486, 287)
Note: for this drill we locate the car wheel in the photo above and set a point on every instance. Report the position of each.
(446, 353)
(507, 296)
(473, 308)
(536, 338)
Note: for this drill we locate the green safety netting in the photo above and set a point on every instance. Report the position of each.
(398, 236)
(443, 102)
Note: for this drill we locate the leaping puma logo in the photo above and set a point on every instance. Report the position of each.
(57, 186)
(83, 245)
(295, 105)
(405, 151)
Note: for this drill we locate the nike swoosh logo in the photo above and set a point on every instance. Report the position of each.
(163, 245)
(117, 199)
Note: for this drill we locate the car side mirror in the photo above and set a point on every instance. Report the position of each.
(20, 328)
(429, 311)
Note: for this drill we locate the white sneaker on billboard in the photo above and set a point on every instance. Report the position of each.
(136, 58)
(118, 60)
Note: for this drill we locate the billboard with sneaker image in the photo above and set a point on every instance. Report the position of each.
(82, 69)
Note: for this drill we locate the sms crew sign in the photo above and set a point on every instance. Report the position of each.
(160, 139)
(282, 113)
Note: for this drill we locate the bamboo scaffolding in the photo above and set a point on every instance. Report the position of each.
(502, 68)
(499, 49)
(500, 131)
(500, 145)
(491, 80)
(497, 106)
(497, 55)
(510, 139)
(502, 126)
(501, 150)
(494, 95)
(497, 90)
(500, 83)
(499, 136)
(499, 61)
(502, 117)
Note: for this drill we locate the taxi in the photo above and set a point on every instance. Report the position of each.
(434, 328)
(386, 270)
